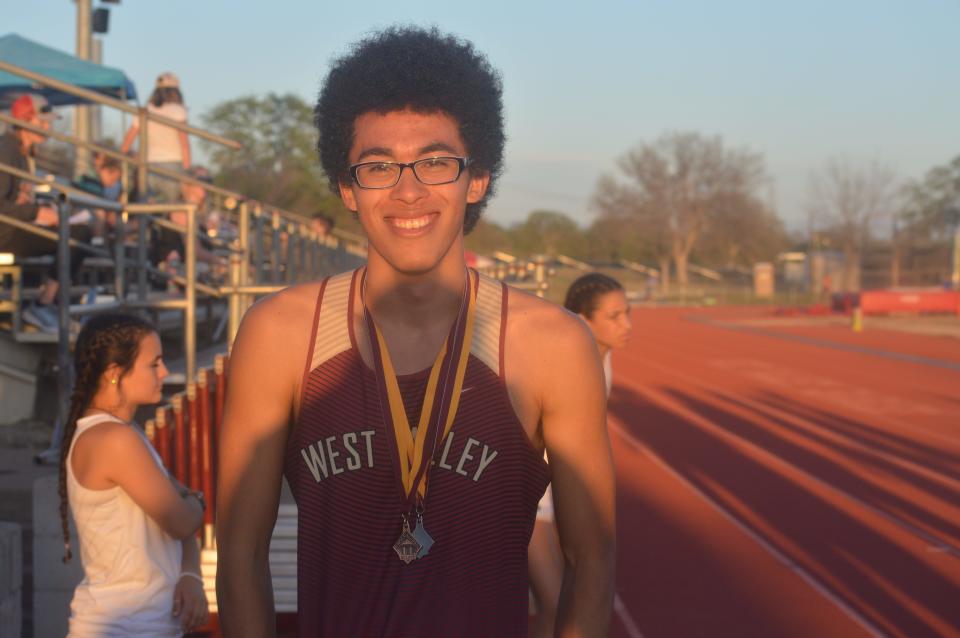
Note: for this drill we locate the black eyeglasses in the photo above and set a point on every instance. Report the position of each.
(432, 171)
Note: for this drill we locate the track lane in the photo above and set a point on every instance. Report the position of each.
(891, 565)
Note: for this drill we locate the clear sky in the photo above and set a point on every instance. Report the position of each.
(798, 82)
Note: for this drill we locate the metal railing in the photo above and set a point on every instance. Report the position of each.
(140, 162)
(524, 274)
(305, 250)
(239, 291)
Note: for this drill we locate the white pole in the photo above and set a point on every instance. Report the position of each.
(96, 111)
(81, 116)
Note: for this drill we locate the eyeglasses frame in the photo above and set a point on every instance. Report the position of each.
(462, 162)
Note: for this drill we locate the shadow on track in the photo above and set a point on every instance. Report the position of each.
(892, 581)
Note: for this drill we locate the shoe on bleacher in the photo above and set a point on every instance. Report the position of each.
(43, 316)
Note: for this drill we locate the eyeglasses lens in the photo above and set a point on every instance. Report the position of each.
(431, 171)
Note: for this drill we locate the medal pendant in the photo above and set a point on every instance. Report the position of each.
(423, 537)
(407, 546)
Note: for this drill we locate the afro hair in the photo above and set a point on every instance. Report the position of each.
(422, 70)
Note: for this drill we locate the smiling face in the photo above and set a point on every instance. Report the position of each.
(610, 320)
(412, 226)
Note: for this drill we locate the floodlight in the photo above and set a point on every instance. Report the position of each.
(101, 20)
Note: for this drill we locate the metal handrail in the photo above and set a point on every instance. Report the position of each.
(99, 98)
(66, 189)
(63, 137)
(40, 231)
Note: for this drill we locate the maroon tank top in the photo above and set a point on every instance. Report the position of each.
(481, 501)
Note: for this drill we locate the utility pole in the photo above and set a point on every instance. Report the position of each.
(81, 116)
(96, 111)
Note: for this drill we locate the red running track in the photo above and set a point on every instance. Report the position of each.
(784, 482)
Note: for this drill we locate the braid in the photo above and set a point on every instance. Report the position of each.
(583, 293)
(104, 340)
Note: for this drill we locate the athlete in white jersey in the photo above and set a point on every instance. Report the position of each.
(601, 302)
(136, 525)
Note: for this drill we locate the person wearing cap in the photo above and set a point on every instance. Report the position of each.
(167, 147)
(16, 150)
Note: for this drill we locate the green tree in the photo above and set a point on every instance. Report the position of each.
(847, 201)
(676, 187)
(933, 204)
(487, 237)
(548, 232)
(278, 163)
(742, 235)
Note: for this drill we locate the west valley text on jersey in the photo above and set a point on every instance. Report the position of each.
(352, 451)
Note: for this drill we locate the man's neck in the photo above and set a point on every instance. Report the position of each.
(419, 301)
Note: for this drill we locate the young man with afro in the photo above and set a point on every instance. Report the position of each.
(409, 403)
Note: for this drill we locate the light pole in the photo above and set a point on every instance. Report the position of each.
(81, 115)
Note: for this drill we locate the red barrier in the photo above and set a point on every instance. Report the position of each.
(151, 431)
(205, 428)
(180, 456)
(185, 435)
(929, 301)
(220, 392)
(194, 430)
(163, 437)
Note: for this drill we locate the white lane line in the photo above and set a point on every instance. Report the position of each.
(932, 540)
(624, 614)
(806, 576)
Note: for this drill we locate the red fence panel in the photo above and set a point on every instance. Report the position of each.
(194, 431)
(205, 428)
(180, 434)
(910, 301)
(163, 437)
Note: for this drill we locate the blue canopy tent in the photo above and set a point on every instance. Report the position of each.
(45, 60)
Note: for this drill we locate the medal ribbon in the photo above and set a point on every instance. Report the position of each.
(439, 407)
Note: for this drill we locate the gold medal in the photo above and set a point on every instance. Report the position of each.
(415, 447)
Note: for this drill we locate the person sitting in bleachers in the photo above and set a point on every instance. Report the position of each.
(106, 185)
(16, 201)
(168, 248)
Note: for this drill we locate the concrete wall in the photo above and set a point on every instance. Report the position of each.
(53, 582)
(19, 364)
(11, 580)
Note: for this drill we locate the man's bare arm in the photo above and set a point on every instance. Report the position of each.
(256, 422)
(575, 434)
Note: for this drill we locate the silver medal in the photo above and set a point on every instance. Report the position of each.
(423, 537)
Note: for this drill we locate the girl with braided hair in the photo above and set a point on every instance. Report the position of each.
(135, 523)
(602, 303)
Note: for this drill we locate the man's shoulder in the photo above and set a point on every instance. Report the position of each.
(525, 308)
(284, 311)
(537, 324)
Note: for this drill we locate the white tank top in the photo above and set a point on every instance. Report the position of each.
(130, 564)
(163, 142)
